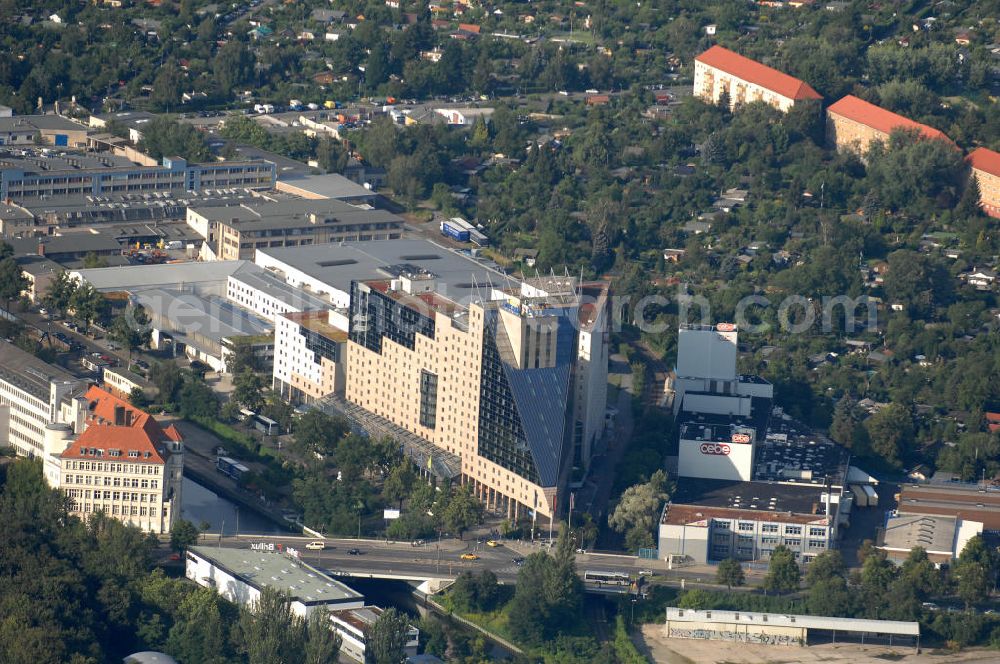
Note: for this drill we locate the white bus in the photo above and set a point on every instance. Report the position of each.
(607, 578)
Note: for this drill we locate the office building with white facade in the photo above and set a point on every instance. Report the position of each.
(32, 419)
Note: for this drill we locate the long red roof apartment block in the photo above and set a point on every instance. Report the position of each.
(719, 70)
(854, 124)
(986, 169)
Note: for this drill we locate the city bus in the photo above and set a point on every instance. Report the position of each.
(607, 578)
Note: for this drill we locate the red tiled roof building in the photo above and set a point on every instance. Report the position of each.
(854, 124)
(719, 70)
(124, 464)
(986, 169)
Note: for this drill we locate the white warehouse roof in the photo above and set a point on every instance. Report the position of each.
(675, 614)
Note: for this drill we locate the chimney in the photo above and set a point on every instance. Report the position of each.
(128, 418)
(119, 416)
(41, 248)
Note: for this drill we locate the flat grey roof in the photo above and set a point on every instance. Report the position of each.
(29, 373)
(337, 265)
(45, 160)
(134, 119)
(194, 317)
(266, 282)
(69, 243)
(46, 122)
(196, 276)
(767, 497)
(933, 533)
(260, 215)
(899, 627)
(330, 185)
(38, 265)
(303, 582)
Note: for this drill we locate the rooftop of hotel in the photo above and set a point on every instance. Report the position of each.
(319, 322)
(719, 428)
(268, 283)
(457, 277)
(278, 570)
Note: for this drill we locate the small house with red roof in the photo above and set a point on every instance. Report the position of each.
(985, 165)
(854, 124)
(124, 464)
(719, 70)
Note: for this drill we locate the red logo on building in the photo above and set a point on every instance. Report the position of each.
(740, 438)
(725, 327)
(715, 448)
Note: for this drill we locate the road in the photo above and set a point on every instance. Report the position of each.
(439, 560)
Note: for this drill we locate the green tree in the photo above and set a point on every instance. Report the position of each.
(183, 534)
(92, 260)
(399, 483)
(168, 379)
(88, 305)
(165, 137)
(131, 329)
(269, 633)
(196, 399)
(783, 572)
(639, 509)
(197, 634)
(249, 390)
(233, 66)
(60, 292)
(730, 573)
(462, 511)
(323, 643)
(890, 431)
(975, 571)
(386, 643)
(137, 397)
(12, 280)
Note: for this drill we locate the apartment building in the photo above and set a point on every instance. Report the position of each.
(985, 165)
(237, 231)
(720, 71)
(854, 124)
(32, 393)
(29, 174)
(123, 464)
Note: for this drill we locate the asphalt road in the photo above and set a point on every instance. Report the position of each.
(443, 559)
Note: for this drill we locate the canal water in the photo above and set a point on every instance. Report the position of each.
(199, 504)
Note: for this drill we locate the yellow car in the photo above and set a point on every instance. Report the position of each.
(492, 544)
(469, 556)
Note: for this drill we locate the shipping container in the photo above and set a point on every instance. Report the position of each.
(448, 229)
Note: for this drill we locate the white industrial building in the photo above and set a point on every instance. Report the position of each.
(240, 575)
(32, 394)
(750, 478)
(353, 626)
(784, 629)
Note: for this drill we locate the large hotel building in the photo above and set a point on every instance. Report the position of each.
(503, 381)
(719, 70)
